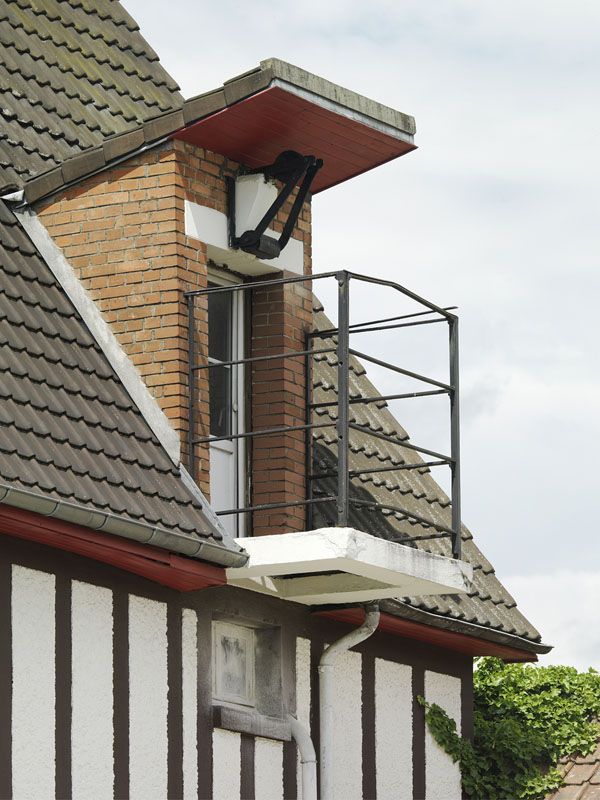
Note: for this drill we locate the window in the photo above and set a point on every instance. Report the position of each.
(226, 388)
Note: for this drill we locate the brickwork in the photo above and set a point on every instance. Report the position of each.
(123, 232)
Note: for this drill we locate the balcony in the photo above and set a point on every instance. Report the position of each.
(336, 424)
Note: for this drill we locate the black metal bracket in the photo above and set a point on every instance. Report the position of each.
(289, 168)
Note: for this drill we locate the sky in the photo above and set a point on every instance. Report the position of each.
(495, 212)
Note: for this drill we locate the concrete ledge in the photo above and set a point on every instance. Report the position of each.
(344, 565)
(241, 721)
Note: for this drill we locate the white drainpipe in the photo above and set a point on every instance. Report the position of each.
(308, 758)
(326, 690)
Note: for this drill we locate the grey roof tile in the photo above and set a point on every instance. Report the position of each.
(71, 74)
(68, 428)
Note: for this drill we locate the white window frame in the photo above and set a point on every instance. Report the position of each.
(222, 278)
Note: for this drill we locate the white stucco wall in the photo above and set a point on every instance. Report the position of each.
(268, 769)
(147, 699)
(189, 658)
(348, 724)
(302, 694)
(33, 706)
(442, 775)
(226, 765)
(393, 730)
(92, 692)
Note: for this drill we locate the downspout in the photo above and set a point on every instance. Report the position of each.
(326, 689)
(308, 758)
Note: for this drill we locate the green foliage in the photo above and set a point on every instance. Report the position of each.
(526, 719)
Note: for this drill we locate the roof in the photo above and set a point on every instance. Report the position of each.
(489, 605)
(70, 432)
(252, 118)
(581, 778)
(72, 73)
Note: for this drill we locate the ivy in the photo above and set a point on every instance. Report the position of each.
(526, 719)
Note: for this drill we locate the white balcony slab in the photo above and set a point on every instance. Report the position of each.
(344, 565)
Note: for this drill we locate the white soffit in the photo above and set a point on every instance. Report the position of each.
(343, 565)
(210, 226)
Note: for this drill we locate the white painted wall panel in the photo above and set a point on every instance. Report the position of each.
(92, 691)
(393, 729)
(190, 703)
(147, 699)
(348, 725)
(268, 769)
(302, 694)
(442, 775)
(33, 706)
(226, 765)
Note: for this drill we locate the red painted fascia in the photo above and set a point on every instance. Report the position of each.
(450, 640)
(160, 566)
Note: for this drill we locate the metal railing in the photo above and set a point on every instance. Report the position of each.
(344, 426)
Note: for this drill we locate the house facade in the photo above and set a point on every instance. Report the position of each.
(201, 491)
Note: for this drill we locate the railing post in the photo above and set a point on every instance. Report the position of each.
(191, 386)
(343, 406)
(308, 438)
(455, 437)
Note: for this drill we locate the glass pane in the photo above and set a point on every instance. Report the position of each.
(219, 325)
(220, 401)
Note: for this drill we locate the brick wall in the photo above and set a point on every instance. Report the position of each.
(123, 233)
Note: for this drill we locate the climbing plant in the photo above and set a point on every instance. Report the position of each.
(526, 719)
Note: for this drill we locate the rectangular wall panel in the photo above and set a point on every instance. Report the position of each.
(147, 699)
(442, 775)
(190, 703)
(34, 698)
(268, 769)
(226, 765)
(92, 691)
(393, 729)
(348, 726)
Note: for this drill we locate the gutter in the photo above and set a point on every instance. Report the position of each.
(462, 626)
(106, 522)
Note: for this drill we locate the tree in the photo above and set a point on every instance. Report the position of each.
(526, 718)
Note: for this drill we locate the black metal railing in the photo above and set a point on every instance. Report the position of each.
(340, 335)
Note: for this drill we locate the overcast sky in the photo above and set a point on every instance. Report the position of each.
(496, 212)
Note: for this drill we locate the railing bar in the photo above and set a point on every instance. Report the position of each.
(406, 372)
(400, 442)
(191, 388)
(375, 398)
(260, 284)
(393, 285)
(399, 510)
(360, 327)
(266, 506)
(354, 473)
(251, 359)
(263, 432)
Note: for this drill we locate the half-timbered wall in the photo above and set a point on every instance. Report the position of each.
(105, 687)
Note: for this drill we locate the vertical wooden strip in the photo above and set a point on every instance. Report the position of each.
(205, 724)
(369, 776)
(418, 690)
(290, 778)
(63, 674)
(247, 777)
(121, 694)
(175, 702)
(5, 680)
